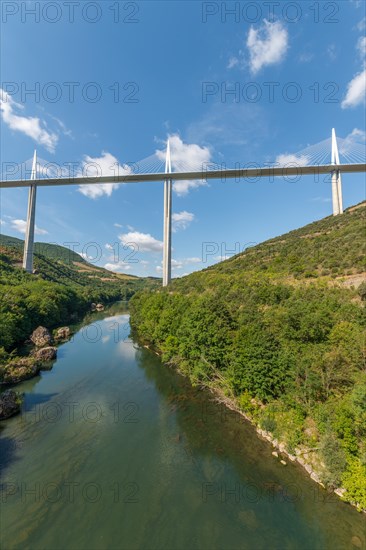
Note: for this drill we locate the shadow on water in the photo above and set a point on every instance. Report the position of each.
(8, 449)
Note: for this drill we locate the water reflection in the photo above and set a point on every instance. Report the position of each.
(154, 463)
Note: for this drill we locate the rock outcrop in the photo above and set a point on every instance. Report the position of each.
(10, 402)
(41, 337)
(46, 354)
(19, 369)
(62, 333)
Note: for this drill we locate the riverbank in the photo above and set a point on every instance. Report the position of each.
(308, 458)
(38, 353)
(117, 447)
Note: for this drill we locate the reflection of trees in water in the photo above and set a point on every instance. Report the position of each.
(225, 450)
(206, 428)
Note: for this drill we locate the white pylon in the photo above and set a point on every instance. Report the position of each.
(336, 179)
(167, 252)
(31, 217)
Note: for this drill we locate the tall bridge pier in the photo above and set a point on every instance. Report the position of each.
(31, 220)
(336, 179)
(168, 194)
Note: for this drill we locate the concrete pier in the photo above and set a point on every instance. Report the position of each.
(31, 220)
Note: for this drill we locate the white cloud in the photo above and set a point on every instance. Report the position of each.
(233, 62)
(267, 45)
(144, 242)
(106, 165)
(118, 267)
(356, 91)
(21, 225)
(179, 264)
(181, 220)
(117, 225)
(356, 137)
(193, 260)
(108, 246)
(2, 222)
(183, 187)
(186, 157)
(293, 160)
(32, 127)
(361, 25)
(361, 46)
(85, 256)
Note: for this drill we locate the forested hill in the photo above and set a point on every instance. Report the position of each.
(60, 290)
(279, 330)
(329, 248)
(48, 250)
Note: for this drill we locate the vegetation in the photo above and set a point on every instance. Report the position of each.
(280, 330)
(59, 291)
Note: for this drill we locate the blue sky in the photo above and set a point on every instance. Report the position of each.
(112, 80)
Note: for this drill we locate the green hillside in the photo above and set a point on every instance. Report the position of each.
(57, 292)
(279, 332)
(48, 250)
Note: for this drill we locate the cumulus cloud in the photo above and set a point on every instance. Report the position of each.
(181, 220)
(118, 267)
(186, 157)
(356, 91)
(293, 160)
(106, 165)
(267, 45)
(144, 242)
(32, 127)
(21, 225)
(183, 187)
(179, 264)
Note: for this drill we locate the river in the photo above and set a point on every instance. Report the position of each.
(113, 450)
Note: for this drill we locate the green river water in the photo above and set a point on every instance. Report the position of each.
(113, 450)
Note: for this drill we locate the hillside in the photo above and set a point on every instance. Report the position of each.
(278, 333)
(57, 292)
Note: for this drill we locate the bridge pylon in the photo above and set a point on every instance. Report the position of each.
(167, 250)
(336, 179)
(31, 217)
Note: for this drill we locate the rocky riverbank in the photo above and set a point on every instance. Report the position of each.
(16, 369)
(308, 459)
(41, 354)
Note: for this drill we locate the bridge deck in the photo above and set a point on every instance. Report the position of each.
(223, 174)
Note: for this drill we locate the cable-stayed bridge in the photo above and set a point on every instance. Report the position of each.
(332, 157)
